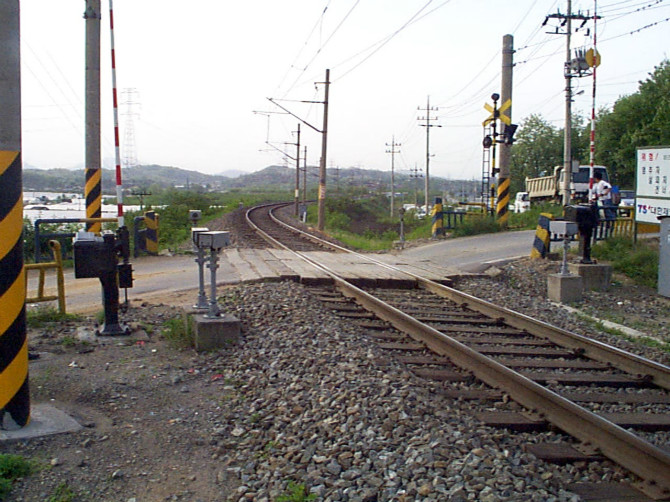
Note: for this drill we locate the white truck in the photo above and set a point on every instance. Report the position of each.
(521, 202)
(551, 187)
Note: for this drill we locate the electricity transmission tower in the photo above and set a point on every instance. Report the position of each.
(130, 100)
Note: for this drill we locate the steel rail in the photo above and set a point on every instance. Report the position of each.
(633, 364)
(626, 449)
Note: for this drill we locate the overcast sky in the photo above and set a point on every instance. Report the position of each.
(200, 69)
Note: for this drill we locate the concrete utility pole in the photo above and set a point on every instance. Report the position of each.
(297, 171)
(567, 137)
(322, 166)
(392, 151)
(93, 186)
(571, 69)
(428, 125)
(505, 146)
(14, 394)
(304, 175)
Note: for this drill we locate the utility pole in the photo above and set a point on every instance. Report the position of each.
(428, 125)
(322, 167)
(571, 69)
(392, 151)
(15, 396)
(93, 186)
(505, 153)
(416, 174)
(304, 175)
(324, 143)
(297, 170)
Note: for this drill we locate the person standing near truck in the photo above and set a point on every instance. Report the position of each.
(602, 192)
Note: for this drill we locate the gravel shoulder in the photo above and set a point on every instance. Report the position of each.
(304, 398)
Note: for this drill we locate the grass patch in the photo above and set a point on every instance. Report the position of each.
(12, 467)
(296, 492)
(475, 224)
(179, 331)
(363, 242)
(43, 315)
(637, 260)
(639, 340)
(63, 493)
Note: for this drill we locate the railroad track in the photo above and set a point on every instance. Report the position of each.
(611, 402)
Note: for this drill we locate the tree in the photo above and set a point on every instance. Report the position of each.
(537, 149)
(641, 119)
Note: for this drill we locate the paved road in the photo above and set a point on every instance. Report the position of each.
(165, 275)
(476, 253)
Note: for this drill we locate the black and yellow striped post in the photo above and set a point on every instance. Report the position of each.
(502, 212)
(151, 222)
(14, 394)
(93, 186)
(14, 390)
(542, 242)
(93, 194)
(438, 218)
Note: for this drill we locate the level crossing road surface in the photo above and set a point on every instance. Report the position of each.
(159, 277)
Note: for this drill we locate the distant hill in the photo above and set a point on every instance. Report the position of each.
(275, 177)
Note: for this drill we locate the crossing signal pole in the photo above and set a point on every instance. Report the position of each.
(392, 151)
(428, 125)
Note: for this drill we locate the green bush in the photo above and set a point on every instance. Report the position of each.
(639, 260)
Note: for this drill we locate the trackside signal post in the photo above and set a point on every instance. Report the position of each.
(491, 141)
(14, 392)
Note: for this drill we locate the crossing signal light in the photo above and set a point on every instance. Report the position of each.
(508, 133)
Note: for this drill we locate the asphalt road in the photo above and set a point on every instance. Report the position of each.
(166, 275)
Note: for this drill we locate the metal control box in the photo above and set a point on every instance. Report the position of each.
(93, 255)
(563, 228)
(194, 233)
(215, 239)
(585, 216)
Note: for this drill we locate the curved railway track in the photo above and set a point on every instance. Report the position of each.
(605, 398)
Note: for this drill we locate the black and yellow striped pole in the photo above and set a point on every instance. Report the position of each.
(14, 390)
(151, 234)
(93, 186)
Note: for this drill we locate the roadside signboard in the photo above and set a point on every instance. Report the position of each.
(653, 184)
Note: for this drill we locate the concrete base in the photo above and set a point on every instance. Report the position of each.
(564, 288)
(44, 420)
(216, 333)
(594, 275)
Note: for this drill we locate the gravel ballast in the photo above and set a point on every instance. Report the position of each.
(305, 398)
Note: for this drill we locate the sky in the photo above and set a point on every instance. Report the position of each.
(198, 76)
